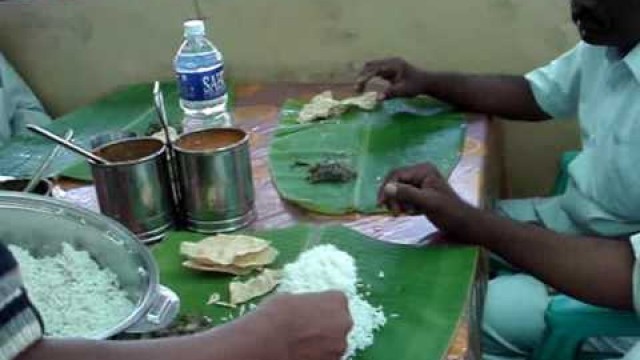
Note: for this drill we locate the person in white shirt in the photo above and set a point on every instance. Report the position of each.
(596, 270)
(598, 81)
(18, 105)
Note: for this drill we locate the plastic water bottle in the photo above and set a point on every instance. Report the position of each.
(200, 72)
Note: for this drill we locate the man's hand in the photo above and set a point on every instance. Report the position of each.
(309, 327)
(421, 189)
(505, 96)
(404, 79)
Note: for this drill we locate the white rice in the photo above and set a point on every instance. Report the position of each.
(326, 268)
(75, 297)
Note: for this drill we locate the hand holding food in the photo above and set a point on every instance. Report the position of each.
(405, 80)
(421, 189)
(316, 324)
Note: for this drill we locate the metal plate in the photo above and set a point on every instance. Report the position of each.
(41, 225)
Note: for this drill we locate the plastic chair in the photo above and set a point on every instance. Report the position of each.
(562, 179)
(571, 322)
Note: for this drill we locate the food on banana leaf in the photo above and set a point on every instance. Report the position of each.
(331, 171)
(324, 106)
(233, 254)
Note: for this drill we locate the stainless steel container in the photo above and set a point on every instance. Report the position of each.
(216, 182)
(135, 188)
(109, 137)
(41, 225)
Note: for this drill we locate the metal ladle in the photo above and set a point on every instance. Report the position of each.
(68, 144)
(37, 176)
(158, 99)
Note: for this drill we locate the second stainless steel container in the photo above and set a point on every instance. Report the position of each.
(134, 189)
(216, 183)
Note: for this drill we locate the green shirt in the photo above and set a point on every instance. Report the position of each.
(18, 105)
(602, 90)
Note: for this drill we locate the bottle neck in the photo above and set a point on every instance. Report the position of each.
(194, 38)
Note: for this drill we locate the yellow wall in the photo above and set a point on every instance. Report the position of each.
(73, 51)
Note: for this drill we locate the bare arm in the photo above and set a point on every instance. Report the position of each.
(595, 270)
(237, 341)
(300, 327)
(505, 96)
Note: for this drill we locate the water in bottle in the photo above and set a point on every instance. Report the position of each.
(199, 69)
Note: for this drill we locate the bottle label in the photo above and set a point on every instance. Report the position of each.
(202, 85)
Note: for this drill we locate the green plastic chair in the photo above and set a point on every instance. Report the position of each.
(562, 179)
(571, 322)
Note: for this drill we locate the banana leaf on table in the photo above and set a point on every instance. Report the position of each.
(401, 132)
(423, 290)
(129, 109)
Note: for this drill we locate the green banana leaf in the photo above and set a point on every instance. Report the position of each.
(401, 132)
(129, 109)
(425, 288)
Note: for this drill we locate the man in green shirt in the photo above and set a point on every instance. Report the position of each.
(593, 269)
(18, 105)
(599, 82)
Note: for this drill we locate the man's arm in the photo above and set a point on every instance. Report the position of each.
(509, 97)
(304, 327)
(236, 341)
(595, 270)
